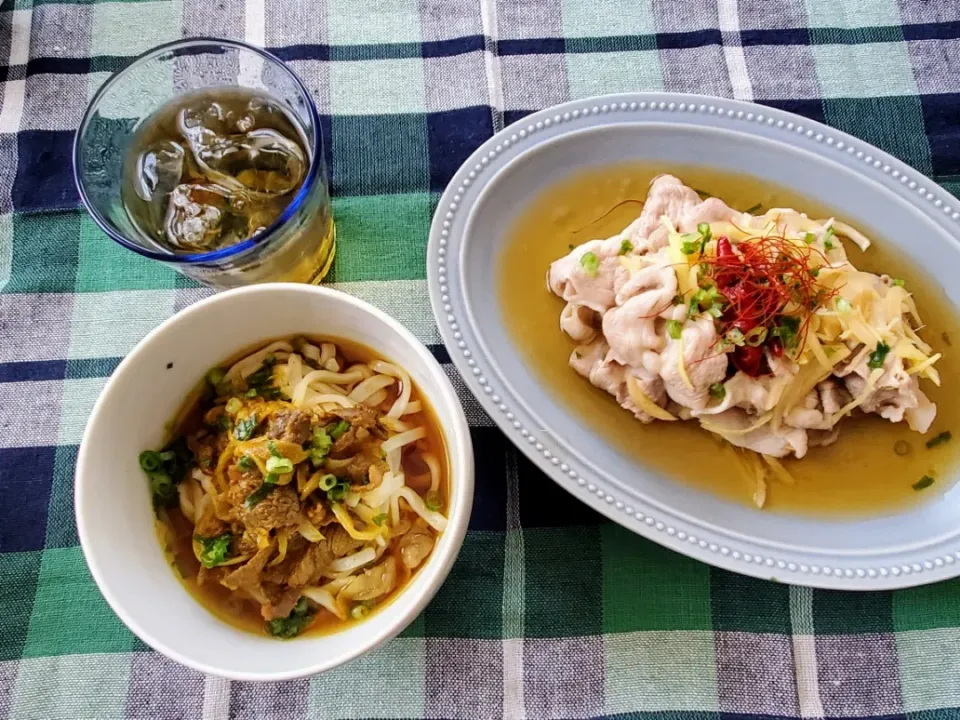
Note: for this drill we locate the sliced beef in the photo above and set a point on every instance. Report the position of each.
(290, 425)
(280, 603)
(279, 509)
(210, 526)
(310, 565)
(341, 543)
(242, 483)
(248, 577)
(278, 574)
(318, 515)
(358, 471)
(358, 417)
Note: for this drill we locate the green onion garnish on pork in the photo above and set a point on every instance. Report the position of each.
(878, 356)
(718, 391)
(590, 263)
(674, 329)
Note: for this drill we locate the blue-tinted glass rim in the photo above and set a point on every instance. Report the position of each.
(313, 173)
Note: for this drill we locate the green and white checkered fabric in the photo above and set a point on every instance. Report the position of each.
(550, 612)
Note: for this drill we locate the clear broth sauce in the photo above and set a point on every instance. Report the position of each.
(860, 474)
(176, 533)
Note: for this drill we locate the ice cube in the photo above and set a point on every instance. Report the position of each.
(194, 216)
(261, 162)
(159, 169)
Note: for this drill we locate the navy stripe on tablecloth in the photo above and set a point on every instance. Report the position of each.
(451, 135)
(539, 46)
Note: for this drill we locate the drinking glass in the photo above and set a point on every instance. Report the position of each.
(298, 247)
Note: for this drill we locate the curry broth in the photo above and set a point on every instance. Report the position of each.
(177, 532)
(858, 475)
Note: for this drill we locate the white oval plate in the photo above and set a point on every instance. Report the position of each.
(501, 178)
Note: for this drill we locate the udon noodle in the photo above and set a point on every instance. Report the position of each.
(303, 489)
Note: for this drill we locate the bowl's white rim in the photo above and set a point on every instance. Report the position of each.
(459, 446)
(855, 570)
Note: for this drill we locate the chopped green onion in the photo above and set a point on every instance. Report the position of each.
(755, 336)
(150, 461)
(570, 246)
(940, 439)
(338, 492)
(215, 549)
(279, 465)
(754, 209)
(320, 446)
(736, 336)
(433, 500)
(327, 482)
(626, 247)
(828, 238)
(787, 331)
(590, 263)
(843, 305)
(246, 463)
(380, 519)
(809, 238)
(674, 329)
(163, 488)
(272, 447)
(359, 611)
(815, 272)
(233, 406)
(215, 376)
(245, 428)
(718, 391)
(299, 619)
(899, 282)
(924, 482)
(706, 299)
(878, 356)
(338, 429)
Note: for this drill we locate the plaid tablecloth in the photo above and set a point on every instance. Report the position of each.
(550, 612)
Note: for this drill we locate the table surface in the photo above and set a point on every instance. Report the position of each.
(550, 612)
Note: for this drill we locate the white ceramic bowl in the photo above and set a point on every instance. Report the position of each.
(115, 518)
